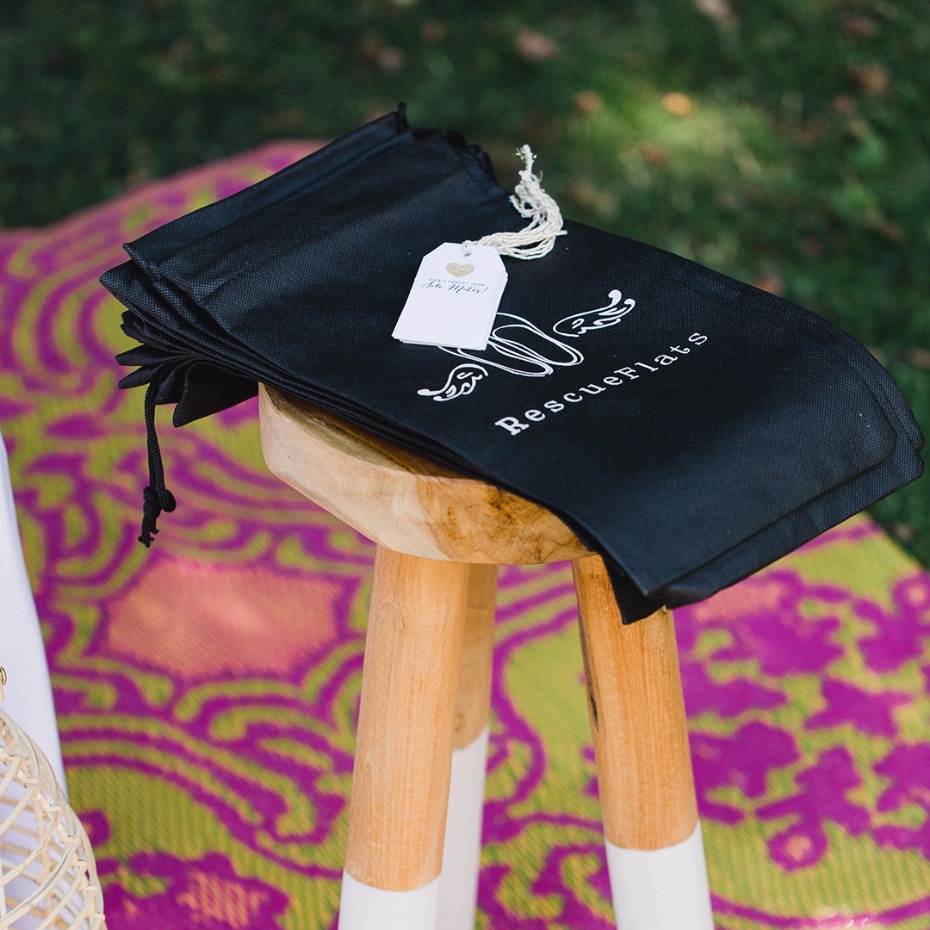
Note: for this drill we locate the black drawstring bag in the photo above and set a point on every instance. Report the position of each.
(689, 427)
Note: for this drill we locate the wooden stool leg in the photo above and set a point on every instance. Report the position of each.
(400, 782)
(655, 855)
(461, 857)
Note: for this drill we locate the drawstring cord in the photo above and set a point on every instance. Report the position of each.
(156, 497)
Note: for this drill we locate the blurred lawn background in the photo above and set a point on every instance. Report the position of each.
(786, 143)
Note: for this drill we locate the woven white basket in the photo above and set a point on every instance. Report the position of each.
(48, 879)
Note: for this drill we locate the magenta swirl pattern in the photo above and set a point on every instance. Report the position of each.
(207, 688)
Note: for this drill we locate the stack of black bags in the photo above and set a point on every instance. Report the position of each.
(689, 427)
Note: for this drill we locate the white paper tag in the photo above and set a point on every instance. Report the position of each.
(454, 298)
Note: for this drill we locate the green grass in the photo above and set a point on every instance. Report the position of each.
(795, 154)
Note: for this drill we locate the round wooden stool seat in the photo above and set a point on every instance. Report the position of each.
(413, 847)
(402, 500)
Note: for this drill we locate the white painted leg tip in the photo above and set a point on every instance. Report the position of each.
(364, 908)
(661, 889)
(461, 857)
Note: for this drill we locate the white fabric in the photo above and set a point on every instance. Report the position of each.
(364, 908)
(461, 852)
(661, 889)
(28, 698)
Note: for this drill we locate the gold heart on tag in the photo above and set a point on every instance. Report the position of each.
(459, 270)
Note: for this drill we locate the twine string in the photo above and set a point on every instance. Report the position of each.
(532, 203)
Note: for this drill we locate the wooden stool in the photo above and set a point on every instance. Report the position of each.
(414, 843)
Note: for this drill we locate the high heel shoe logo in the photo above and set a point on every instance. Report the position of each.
(520, 347)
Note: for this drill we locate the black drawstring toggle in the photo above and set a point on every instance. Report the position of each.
(153, 503)
(156, 497)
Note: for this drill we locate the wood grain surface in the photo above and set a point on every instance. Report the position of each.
(403, 755)
(637, 716)
(402, 500)
(474, 692)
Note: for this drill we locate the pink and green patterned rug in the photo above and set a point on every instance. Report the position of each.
(207, 688)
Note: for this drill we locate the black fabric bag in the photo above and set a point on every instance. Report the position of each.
(690, 427)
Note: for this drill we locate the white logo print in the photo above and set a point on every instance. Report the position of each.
(528, 351)
(461, 381)
(584, 322)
